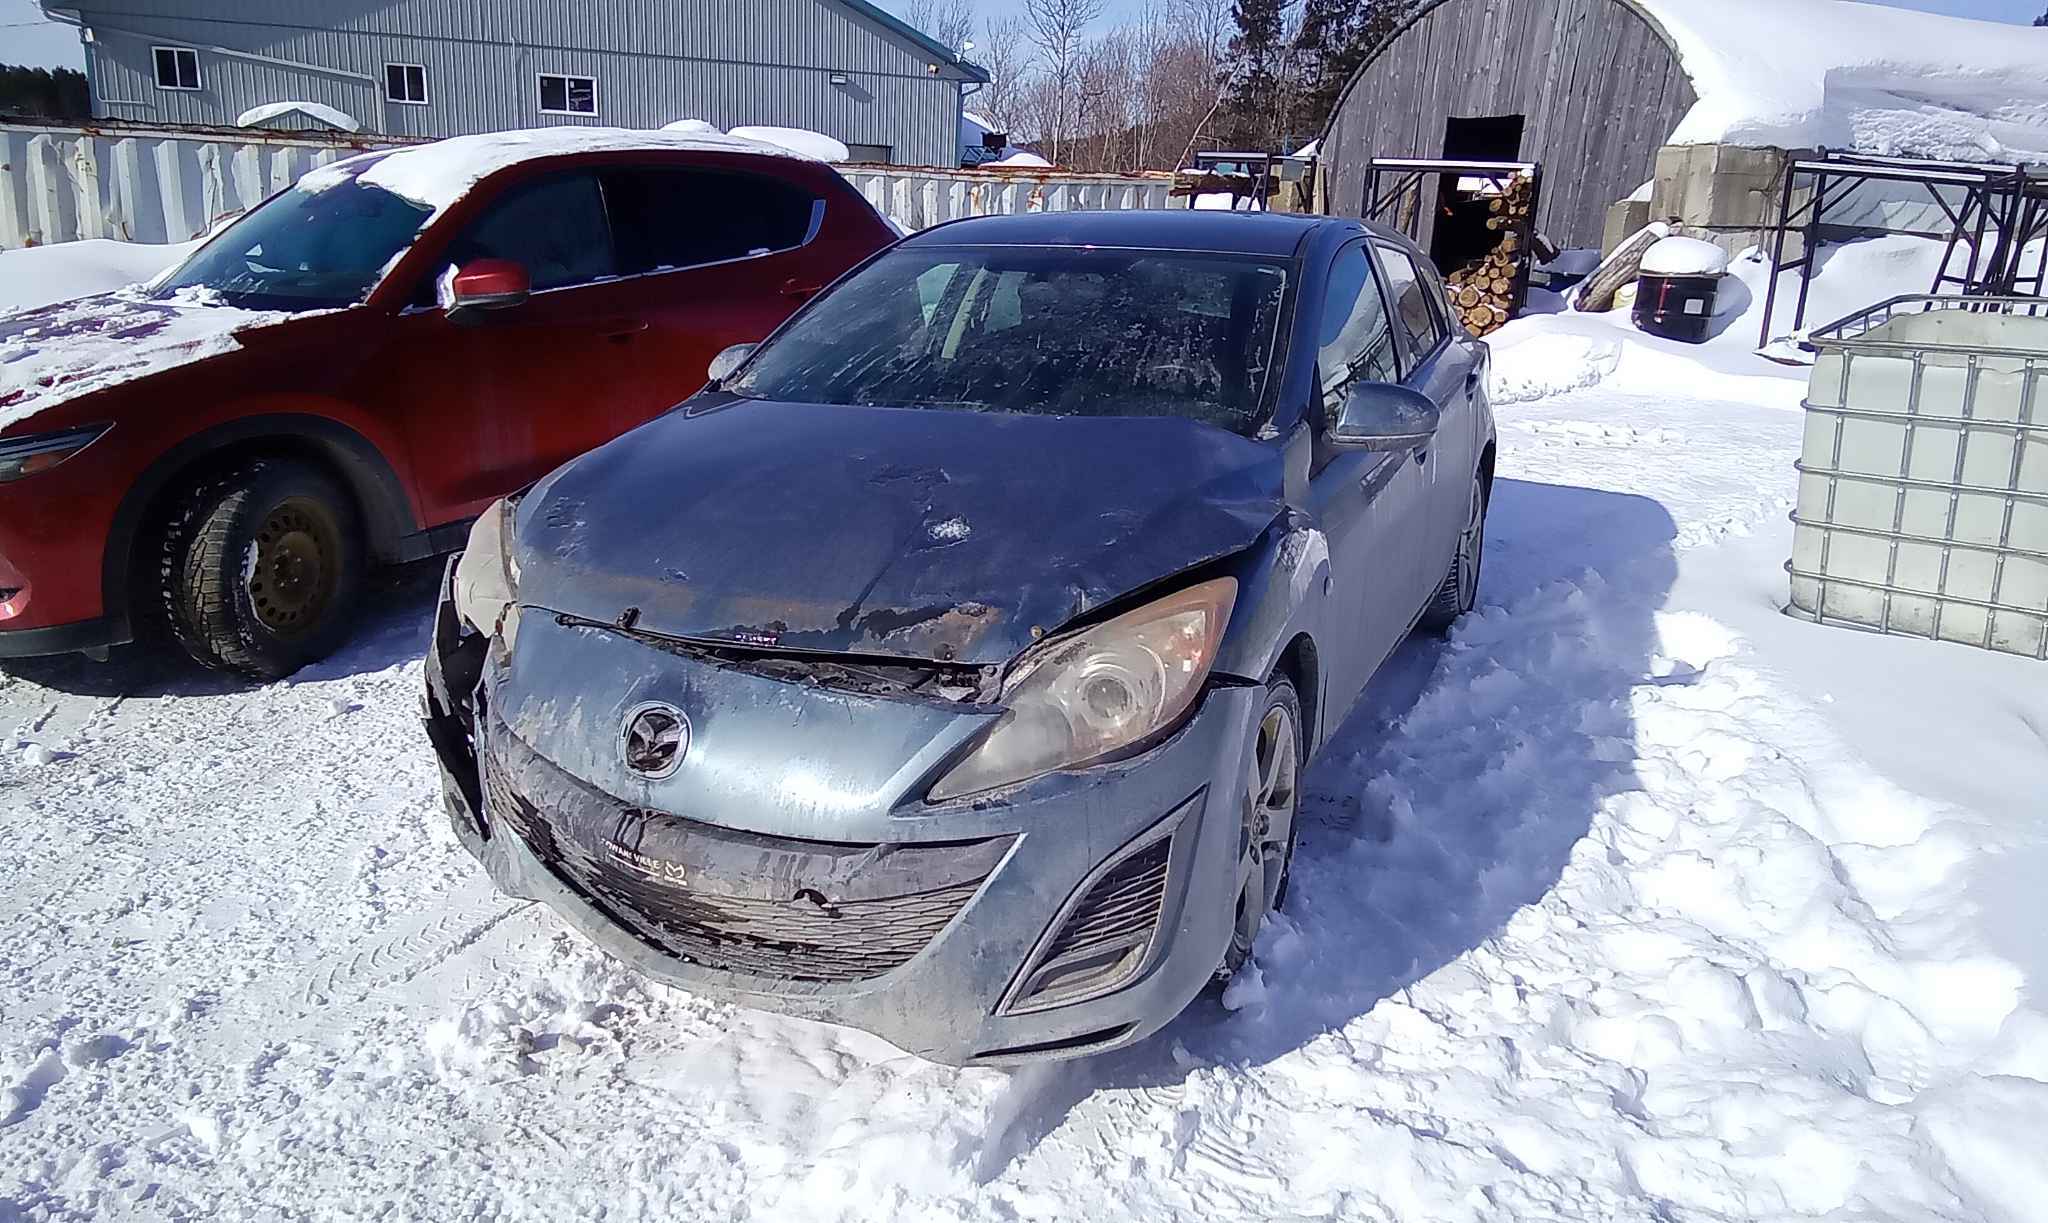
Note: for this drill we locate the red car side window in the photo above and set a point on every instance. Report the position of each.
(679, 217)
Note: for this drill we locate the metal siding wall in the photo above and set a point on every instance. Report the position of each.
(736, 62)
(1599, 89)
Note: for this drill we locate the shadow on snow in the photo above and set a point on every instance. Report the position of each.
(1449, 799)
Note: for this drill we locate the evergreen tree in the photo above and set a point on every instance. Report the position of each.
(1337, 37)
(44, 94)
(1255, 104)
(2042, 19)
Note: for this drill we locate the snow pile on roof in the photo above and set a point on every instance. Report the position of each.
(438, 174)
(1023, 159)
(702, 127)
(60, 352)
(39, 275)
(1807, 73)
(797, 139)
(316, 110)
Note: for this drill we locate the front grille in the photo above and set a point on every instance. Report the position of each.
(1103, 941)
(807, 937)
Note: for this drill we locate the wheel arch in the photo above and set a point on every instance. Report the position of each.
(387, 512)
(1302, 665)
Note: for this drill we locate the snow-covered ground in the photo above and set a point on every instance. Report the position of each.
(1636, 899)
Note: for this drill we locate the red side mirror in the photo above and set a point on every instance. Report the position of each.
(489, 284)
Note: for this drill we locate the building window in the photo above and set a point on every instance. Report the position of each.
(568, 95)
(405, 83)
(176, 67)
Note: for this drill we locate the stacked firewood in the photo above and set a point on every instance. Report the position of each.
(1483, 294)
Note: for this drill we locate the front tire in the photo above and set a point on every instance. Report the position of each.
(1272, 803)
(261, 566)
(1459, 590)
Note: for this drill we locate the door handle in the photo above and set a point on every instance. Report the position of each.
(799, 290)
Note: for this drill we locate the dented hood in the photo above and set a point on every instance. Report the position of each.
(927, 534)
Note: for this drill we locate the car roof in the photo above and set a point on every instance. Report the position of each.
(1249, 233)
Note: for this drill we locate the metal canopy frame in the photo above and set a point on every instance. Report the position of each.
(2002, 209)
(1405, 198)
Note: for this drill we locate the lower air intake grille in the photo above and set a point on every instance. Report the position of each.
(1103, 941)
(798, 939)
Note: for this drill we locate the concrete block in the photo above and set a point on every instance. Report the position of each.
(1624, 217)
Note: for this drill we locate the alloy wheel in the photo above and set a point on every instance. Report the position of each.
(1271, 796)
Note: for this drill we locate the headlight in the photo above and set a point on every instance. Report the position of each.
(487, 576)
(25, 456)
(1082, 698)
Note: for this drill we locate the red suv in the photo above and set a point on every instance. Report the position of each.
(356, 368)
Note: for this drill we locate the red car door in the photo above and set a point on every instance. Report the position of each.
(718, 257)
(495, 401)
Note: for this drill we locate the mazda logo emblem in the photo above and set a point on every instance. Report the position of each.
(657, 739)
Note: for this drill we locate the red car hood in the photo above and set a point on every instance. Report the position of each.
(57, 353)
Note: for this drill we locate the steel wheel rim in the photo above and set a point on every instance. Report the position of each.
(290, 579)
(1272, 790)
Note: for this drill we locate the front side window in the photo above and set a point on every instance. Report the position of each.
(555, 228)
(568, 95)
(1044, 331)
(1413, 309)
(406, 83)
(1357, 340)
(678, 217)
(176, 67)
(306, 248)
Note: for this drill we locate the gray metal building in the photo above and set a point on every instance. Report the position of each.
(1590, 88)
(449, 67)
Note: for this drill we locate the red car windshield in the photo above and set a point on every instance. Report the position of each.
(305, 249)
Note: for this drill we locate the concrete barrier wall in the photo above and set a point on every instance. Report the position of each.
(138, 184)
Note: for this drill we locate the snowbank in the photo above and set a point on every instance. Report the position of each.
(438, 174)
(1023, 159)
(39, 275)
(701, 127)
(1805, 73)
(797, 140)
(318, 110)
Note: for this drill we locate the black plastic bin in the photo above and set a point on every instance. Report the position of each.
(1676, 307)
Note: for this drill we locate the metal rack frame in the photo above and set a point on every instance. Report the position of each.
(2002, 206)
(1406, 199)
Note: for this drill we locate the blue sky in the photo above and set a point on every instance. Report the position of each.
(26, 38)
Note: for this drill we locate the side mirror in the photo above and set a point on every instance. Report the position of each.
(487, 284)
(726, 363)
(1383, 416)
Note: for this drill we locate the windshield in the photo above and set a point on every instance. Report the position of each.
(305, 249)
(1049, 331)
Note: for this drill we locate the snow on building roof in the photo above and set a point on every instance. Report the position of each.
(314, 110)
(440, 173)
(1810, 73)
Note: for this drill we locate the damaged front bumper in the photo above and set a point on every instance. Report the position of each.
(791, 863)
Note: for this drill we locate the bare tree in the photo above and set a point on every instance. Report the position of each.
(950, 22)
(1057, 29)
(1007, 56)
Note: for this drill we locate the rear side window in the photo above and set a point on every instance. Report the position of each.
(555, 227)
(1414, 311)
(1357, 341)
(678, 217)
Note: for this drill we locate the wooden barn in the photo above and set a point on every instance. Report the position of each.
(1700, 100)
(1589, 88)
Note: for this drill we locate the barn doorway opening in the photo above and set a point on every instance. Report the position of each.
(1460, 236)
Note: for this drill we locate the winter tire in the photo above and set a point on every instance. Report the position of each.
(260, 566)
(1460, 587)
(1272, 802)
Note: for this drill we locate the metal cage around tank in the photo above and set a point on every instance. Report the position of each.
(1923, 482)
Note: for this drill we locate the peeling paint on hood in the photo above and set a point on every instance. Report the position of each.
(932, 534)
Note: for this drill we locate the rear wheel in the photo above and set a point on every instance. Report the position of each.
(1272, 799)
(260, 567)
(1459, 590)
